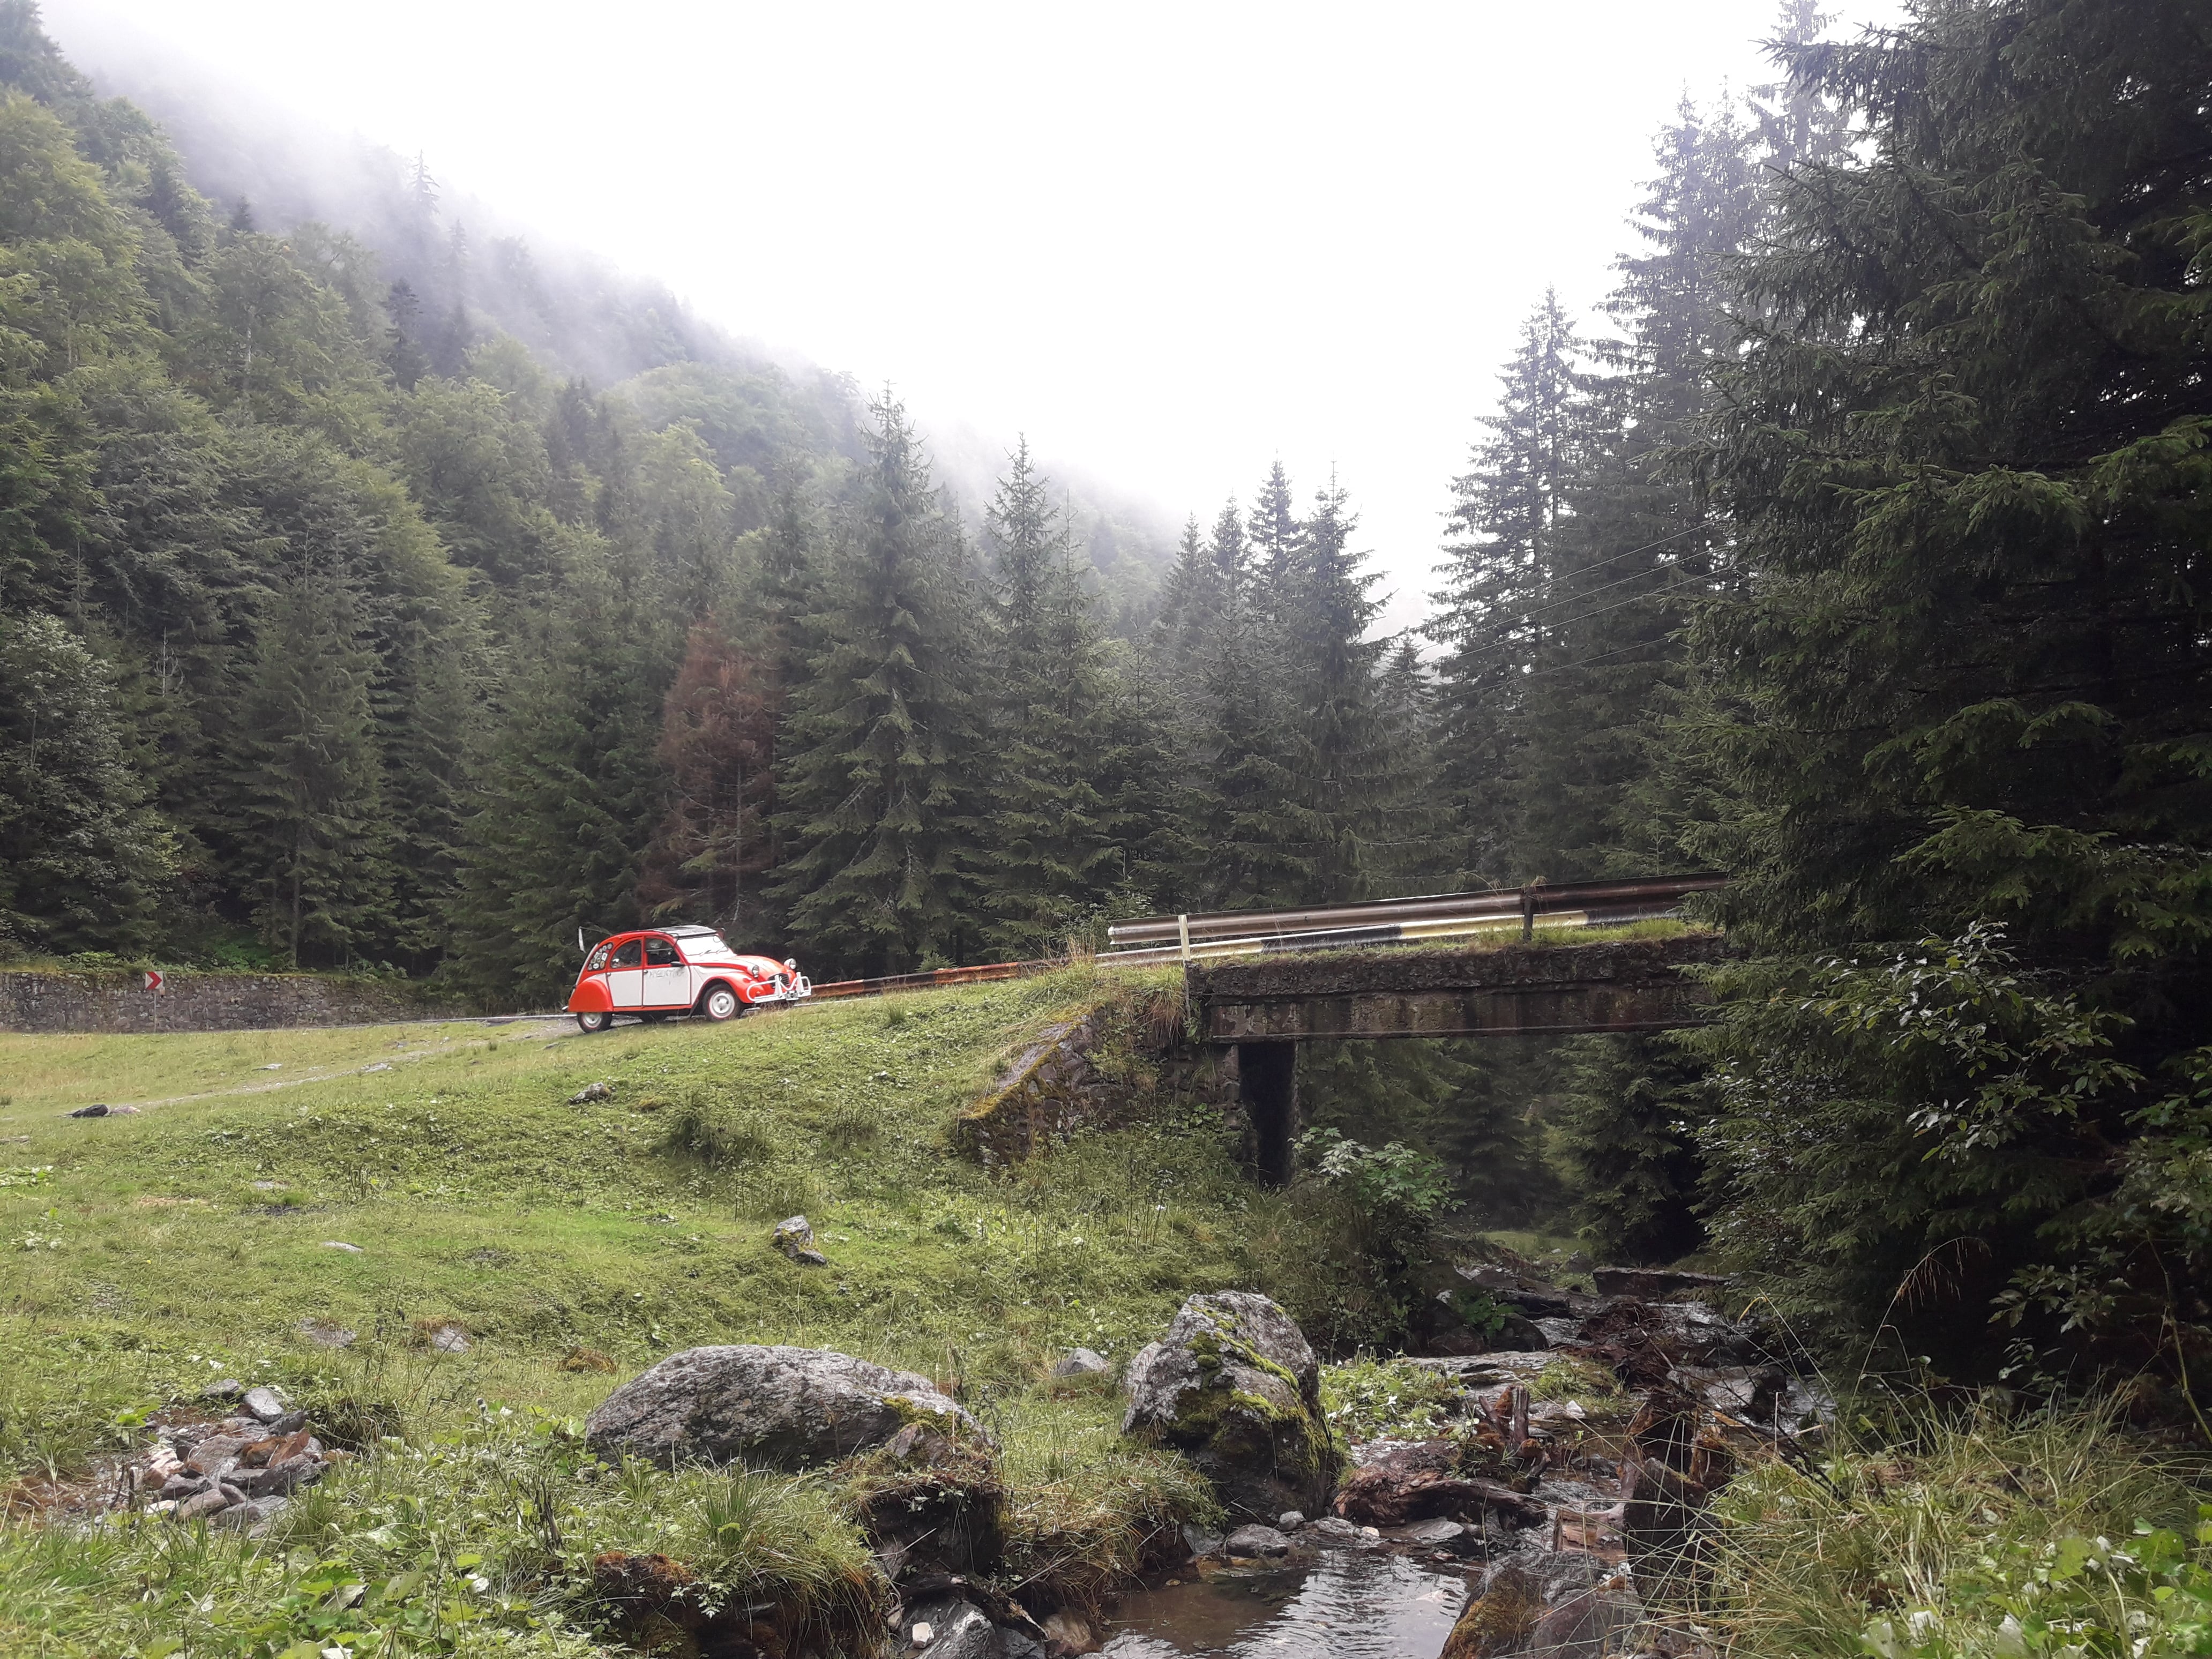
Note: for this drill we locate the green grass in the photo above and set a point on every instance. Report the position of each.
(148, 1254)
(1973, 1533)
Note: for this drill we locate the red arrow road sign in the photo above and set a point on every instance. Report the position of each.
(153, 980)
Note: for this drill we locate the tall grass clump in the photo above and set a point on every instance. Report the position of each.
(699, 1129)
(1972, 1533)
(1086, 1509)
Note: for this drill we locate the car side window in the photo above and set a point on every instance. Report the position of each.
(659, 953)
(627, 954)
(597, 961)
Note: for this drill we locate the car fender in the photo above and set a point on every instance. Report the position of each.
(591, 996)
(737, 985)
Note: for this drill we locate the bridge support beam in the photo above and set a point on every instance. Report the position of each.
(1267, 1084)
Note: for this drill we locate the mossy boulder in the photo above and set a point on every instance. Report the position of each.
(778, 1406)
(1235, 1386)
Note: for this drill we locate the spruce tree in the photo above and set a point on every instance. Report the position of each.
(1639, 543)
(877, 779)
(1352, 783)
(718, 743)
(1965, 678)
(1051, 833)
(574, 786)
(309, 777)
(83, 859)
(1247, 838)
(1492, 617)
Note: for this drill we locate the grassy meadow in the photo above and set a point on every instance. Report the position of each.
(147, 1255)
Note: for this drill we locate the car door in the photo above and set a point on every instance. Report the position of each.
(667, 980)
(626, 974)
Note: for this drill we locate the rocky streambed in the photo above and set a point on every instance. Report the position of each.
(1538, 1503)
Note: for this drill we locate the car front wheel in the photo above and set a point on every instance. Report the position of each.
(720, 1003)
(594, 1021)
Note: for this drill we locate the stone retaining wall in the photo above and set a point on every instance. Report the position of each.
(1102, 1071)
(56, 1000)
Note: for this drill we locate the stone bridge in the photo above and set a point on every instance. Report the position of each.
(1267, 1005)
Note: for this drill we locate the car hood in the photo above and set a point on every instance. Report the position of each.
(758, 967)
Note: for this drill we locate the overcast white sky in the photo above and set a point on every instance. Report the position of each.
(1170, 242)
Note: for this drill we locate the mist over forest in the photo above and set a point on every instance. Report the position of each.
(381, 592)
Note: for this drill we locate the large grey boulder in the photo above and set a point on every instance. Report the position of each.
(1234, 1385)
(781, 1406)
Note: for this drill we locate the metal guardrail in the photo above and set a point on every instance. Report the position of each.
(1600, 903)
(1439, 917)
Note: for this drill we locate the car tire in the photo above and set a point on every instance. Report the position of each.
(720, 1003)
(590, 1023)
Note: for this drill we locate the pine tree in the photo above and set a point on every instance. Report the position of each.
(1638, 544)
(718, 743)
(309, 777)
(1052, 834)
(1271, 549)
(1965, 679)
(1624, 1131)
(1245, 840)
(1192, 598)
(574, 786)
(83, 860)
(1351, 783)
(1493, 614)
(876, 776)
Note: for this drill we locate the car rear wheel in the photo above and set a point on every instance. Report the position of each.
(594, 1021)
(720, 1003)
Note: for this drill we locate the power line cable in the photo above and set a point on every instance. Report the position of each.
(1551, 581)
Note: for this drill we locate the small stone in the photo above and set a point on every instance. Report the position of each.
(1437, 1535)
(89, 1111)
(291, 1423)
(205, 1502)
(1083, 1362)
(123, 1111)
(1334, 1526)
(450, 1339)
(251, 1515)
(264, 1403)
(340, 1245)
(1072, 1633)
(166, 1506)
(590, 1092)
(795, 1237)
(178, 1486)
(1200, 1542)
(229, 1388)
(326, 1332)
(273, 1065)
(924, 1634)
(1257, 1539)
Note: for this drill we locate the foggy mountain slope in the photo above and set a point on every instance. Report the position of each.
(469, 270)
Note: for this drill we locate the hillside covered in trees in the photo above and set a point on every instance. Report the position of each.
(1856, 550)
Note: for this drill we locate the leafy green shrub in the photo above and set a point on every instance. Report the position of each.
(1362, 1227)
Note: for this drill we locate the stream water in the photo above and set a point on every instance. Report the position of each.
(1351, 1604)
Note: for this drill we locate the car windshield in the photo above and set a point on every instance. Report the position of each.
(708, 947)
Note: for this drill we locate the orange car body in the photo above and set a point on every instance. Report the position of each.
(664, 971)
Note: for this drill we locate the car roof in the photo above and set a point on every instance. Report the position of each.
(689, 933)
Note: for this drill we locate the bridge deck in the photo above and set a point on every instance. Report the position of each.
(1620, 984)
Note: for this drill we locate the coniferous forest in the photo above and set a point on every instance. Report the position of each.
(1861, 547)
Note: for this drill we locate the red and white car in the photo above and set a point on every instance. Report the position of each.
(678, 971)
